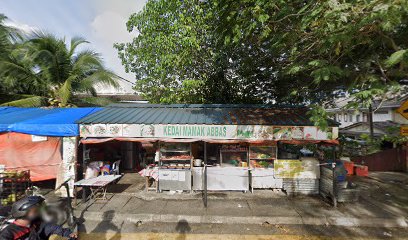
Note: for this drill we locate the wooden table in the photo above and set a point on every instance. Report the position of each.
(148, 173)
(98, 186)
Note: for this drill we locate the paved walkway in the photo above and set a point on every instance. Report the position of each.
(263, 206)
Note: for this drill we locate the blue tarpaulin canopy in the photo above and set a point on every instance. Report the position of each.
(43, 121)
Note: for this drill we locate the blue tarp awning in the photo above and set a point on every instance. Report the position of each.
(43, 121)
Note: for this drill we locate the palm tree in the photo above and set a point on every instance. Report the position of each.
(8, 36)
(8, 39)
(49, 68)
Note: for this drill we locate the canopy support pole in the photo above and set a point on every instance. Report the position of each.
(205, 175)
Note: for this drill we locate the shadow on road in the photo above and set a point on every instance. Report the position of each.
(182, 228)
(108, 225)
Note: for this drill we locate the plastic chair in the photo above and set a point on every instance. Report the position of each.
(115, 168)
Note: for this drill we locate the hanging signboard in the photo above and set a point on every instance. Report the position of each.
(287, 168)
(305, 168)
(259, 132)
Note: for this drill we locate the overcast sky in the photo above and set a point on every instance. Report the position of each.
(102, 22)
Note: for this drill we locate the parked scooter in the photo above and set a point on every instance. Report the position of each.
(4, 216)
(57, 212)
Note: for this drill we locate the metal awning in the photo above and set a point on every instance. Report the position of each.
(208, 114)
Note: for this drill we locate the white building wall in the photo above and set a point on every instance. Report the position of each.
(358, 116)
(386, 112)
(347, 118)
(383, 115)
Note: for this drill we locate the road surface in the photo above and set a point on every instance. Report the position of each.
(184, 230)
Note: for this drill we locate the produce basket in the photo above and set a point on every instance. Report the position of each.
(13, 185)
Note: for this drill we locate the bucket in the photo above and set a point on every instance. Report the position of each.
(197, 162)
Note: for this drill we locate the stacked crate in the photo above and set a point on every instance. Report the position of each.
(13, 185)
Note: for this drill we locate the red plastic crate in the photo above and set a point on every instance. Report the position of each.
(361, 170)
(349, 166)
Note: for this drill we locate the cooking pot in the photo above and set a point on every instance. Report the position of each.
(197, 162)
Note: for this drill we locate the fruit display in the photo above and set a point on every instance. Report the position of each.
(9, 199)
(16, 175)
(261, 164)
(13, 185)
(262, 156)
(234, 156)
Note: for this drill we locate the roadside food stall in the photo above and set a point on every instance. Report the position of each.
(262, 163)
(38, 144)
(175, 166)
(239, 145)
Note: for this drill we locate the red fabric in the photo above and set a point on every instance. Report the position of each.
(349, 166)
(18, 151)
(361, 170)
(220, 141)
(178, 140)
(96, 140)
(306, 141)
(122, 139)
(141, 140)
(225, 141)
(263, 142)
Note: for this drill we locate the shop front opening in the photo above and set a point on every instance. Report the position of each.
(113, 157)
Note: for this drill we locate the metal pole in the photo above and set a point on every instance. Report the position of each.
(205, 174)
(334, 185)
(370, 121)
(77, 142)
(83, 171)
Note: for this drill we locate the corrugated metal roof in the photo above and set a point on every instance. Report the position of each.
(226, 114)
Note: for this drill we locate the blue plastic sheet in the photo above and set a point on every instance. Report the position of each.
(43, 121)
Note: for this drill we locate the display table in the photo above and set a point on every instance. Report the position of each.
(97, 185)
(150, 173)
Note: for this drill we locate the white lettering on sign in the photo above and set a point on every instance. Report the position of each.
(253, 132)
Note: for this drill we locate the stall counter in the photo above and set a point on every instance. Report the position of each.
(264, 178)
(175, 179)
(222, 178)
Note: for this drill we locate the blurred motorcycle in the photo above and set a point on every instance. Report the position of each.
(58, 211)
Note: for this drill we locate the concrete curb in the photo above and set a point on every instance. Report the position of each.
(319, 220)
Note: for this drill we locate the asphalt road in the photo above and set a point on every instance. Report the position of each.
(184, 230)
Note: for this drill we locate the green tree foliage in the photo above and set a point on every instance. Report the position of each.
(8, 38)
(177, 58)
(43, 69)
(247, 51)
(359, 46)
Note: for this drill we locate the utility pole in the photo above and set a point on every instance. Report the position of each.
(370, 121)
